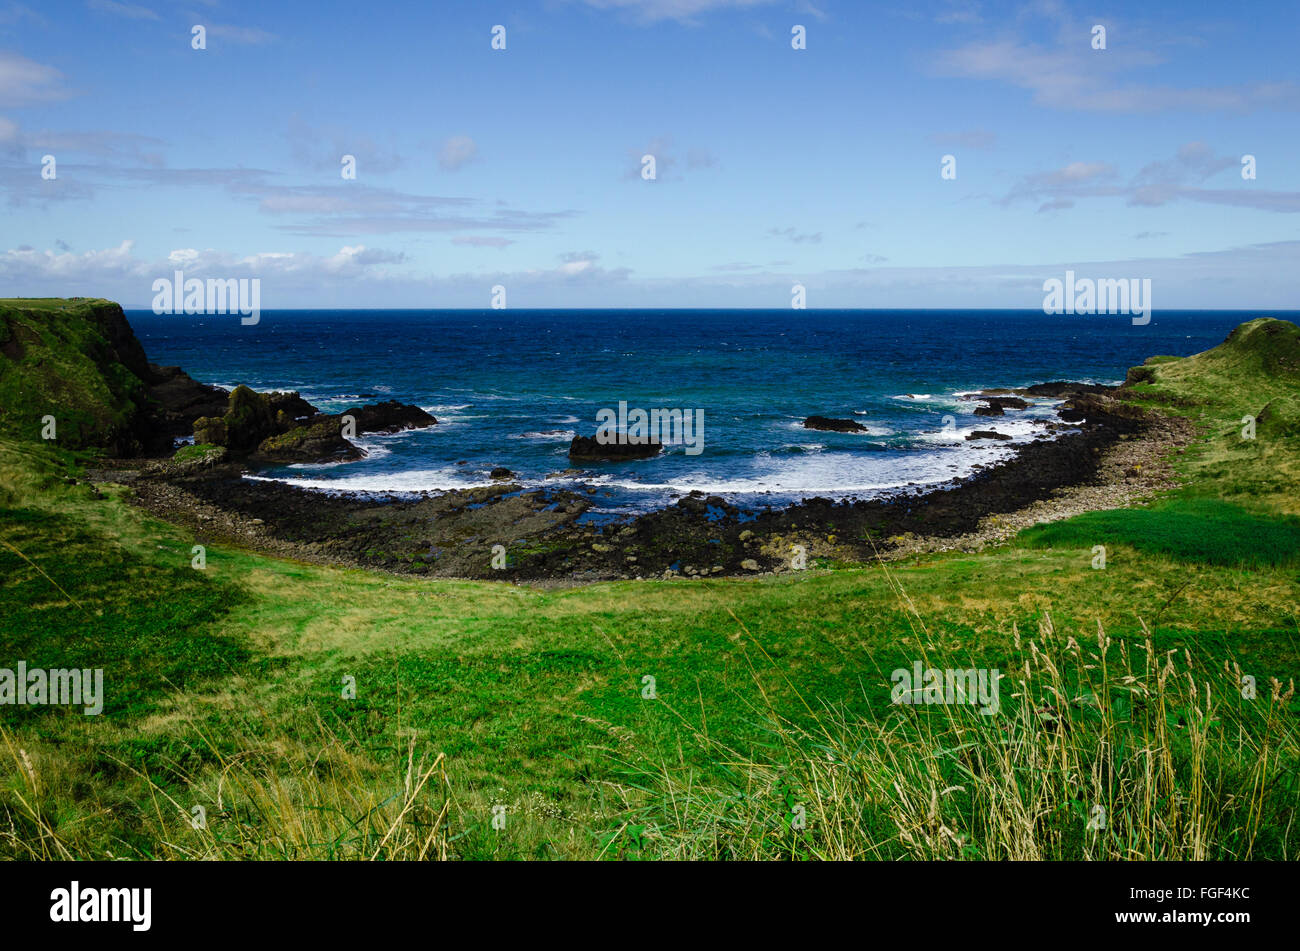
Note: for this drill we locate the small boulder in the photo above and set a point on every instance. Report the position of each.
(210, 430)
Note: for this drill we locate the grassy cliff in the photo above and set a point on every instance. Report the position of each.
(1254, 375)
(77, 361)
(771, 696)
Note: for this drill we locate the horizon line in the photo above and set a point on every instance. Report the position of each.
(1024, 310)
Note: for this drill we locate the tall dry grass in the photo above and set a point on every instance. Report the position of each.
(1112, 750)
(318, 797)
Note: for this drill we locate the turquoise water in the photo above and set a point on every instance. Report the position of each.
(511, 388)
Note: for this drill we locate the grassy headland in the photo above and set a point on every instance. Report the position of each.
(769, 731)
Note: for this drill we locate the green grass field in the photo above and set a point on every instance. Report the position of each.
(1190, 530)
(766, 732)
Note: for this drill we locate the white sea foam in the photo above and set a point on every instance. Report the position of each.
(550, 435)
(833, 474)
(868, 429)
(410, 480)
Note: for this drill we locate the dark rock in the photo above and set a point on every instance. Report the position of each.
(693, 503)
(986, 434)
(1062, 388)
(1142, 374)
(210, 430)
(825, 424)
(1007, 402)
(501, 472)
(389, 416)
(290, 409)
(591, 449)
(249, 420)
(1000, 396)
(122, 341)
(319, 442)
(180, 400)
(1094, 406)
(988, 410)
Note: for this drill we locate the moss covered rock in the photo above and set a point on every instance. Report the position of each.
(319, 442)
(249, 419)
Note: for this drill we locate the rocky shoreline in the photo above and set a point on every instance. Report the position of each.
(1108, 455)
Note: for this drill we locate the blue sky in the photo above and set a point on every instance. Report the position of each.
(520, 167)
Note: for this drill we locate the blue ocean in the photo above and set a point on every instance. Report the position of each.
(512, 388)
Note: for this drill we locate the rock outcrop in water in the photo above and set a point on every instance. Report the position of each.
(1007, 402)
(1059, 388)
(284, 427)
(825, 424)
(591, 449)
(389, 416)
(320, 441)
(247, 421)
(290, 409)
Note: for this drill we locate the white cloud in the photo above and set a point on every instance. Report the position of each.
(23, 264)
(683, 11)
(99, 143)
(1068, 74)
(245, 35)
(1249, 277)
(480, 241)
(661, 147)
(117, 272)
(128, 10)
(457, 152)
(321, 148)
(23, 82)
(1157, 183)
(797, 237)
(966, 139)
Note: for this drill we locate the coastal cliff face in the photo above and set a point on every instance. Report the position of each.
(76, 369)
(79, 362)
